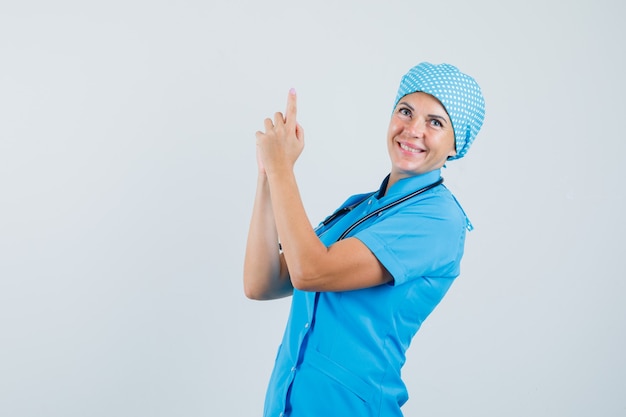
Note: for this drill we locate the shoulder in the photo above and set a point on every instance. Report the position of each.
(424, 237)
(438, 205)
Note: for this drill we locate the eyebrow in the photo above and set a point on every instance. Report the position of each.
(435, 116)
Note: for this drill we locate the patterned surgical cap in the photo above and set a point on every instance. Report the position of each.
(459, 94)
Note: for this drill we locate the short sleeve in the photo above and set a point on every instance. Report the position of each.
(423, 239)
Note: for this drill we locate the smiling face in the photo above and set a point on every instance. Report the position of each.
(420, 137)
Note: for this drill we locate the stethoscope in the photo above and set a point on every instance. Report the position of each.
(342, 211)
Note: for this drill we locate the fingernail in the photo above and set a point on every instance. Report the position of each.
(292, 91)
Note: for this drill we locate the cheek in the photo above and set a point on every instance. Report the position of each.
(448, 143)
(452, 147)
(393, 129)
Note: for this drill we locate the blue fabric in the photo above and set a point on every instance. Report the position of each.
(342, 352)
(459, 94)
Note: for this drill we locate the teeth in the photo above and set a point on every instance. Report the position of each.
(406, 148)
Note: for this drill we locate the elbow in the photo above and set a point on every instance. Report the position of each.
(251, 291)
(304, 280)
(307, 286)
(260, 290)
(256, 294)
(310, 272)
(253, 294)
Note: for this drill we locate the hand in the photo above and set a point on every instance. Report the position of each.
(281, 144)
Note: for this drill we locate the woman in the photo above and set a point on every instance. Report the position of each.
(363, 281)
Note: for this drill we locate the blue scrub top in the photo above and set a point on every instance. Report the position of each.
(342, 352)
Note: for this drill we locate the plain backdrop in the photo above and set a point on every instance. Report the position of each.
(127, 175)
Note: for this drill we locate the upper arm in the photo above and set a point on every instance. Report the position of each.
(346, 265)
(425, 239)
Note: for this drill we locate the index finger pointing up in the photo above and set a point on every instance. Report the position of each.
(290, 113)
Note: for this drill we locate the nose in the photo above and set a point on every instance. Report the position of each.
(416, 127)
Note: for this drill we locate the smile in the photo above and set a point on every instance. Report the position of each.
(410, 149)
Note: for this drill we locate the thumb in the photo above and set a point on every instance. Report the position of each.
(299, 132)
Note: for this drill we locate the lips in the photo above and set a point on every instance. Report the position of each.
(409, 148)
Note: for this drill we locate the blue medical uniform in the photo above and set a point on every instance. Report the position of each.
(342, 352)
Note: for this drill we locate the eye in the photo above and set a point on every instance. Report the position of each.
(404, 111)
(436, 123)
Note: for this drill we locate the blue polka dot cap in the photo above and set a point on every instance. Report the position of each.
(459, 93)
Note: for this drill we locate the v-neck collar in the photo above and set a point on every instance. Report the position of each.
(407, 185)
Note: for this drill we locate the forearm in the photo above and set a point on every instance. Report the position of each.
(306, 257)
(306, 263)
(304, 252)
(265, 274)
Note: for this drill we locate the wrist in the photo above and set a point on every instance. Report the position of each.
(262, 180)
(278, 172)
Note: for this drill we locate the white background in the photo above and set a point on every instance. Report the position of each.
(127, 173)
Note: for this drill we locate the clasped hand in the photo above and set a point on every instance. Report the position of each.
(280, 145)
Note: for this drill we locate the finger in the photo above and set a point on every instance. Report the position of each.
(268, 124)
(279, 119)
(290, 113)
